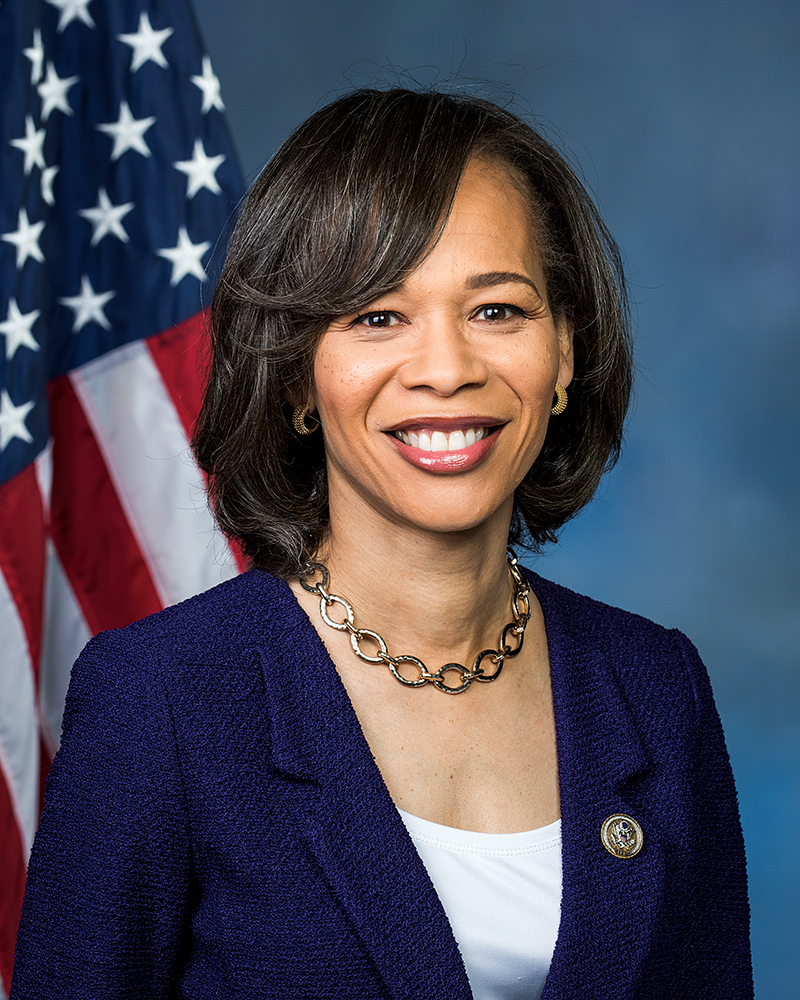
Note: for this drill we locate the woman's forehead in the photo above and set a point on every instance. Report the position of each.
(488, 237)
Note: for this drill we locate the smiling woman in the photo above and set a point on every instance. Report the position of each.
(459, 780)
(343, 214)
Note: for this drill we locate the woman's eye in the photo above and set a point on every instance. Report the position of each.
(377, 320)
(497, 313)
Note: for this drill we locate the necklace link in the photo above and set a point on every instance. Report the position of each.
(520, 610)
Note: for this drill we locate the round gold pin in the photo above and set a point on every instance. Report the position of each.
(621, 836)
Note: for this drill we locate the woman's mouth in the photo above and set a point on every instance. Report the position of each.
(446, 451)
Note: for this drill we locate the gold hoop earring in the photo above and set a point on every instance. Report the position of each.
(561, 400)
(299, 421)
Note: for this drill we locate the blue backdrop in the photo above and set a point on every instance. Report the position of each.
(682, 116)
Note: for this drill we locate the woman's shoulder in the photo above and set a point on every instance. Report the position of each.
(634, 647)
(206, 650)
(213, 625)
(590, 614)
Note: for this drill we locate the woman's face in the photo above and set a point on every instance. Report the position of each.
(435, 398)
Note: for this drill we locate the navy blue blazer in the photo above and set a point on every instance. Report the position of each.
(216, 827)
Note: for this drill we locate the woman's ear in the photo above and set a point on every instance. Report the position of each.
(566, 368)
(301, 396)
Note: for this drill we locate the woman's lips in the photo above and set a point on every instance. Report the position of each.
(439, 450)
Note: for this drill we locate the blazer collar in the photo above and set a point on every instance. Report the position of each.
(599, 744)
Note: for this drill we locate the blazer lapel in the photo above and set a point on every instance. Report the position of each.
(346, 816)
(610, 905)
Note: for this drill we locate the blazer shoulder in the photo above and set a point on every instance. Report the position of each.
(596, 618)
(216, 624)
(630, 643)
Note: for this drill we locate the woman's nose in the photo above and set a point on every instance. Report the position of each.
(445, 359)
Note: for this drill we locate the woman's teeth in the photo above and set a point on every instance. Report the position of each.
(439, 441)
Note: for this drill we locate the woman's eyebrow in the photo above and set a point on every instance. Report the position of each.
(499, 278)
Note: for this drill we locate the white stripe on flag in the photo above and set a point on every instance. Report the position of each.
(155, 475)
(65, 635)
(44, 476)
(19, 729)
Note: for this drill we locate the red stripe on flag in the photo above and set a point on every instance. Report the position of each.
(22, 554)
(98, 550)
(181, 356)
(13, 868)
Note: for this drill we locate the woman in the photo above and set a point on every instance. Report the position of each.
(388, 762)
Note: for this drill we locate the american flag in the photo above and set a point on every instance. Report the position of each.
(117, 181)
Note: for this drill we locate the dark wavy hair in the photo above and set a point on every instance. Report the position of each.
(343, 213)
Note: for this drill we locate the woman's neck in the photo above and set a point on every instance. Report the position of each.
(429, 594)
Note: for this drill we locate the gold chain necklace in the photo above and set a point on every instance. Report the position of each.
(520, 610)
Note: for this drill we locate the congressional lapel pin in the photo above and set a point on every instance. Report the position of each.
(621, 836)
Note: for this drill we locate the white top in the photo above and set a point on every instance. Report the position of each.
(502, 895)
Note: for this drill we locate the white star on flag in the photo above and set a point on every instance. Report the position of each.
(72, 10)
(31, 145)
(48, 176)
(36, 55)
(107, 218)
(146, 44)
(26, 239)
(53, 92)
(127, 132)
(88, 306)
(200, 170)
(209, 84)
(12, 420)
(185, 257)
(17, 329)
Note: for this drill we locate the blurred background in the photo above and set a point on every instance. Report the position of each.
(682, 117)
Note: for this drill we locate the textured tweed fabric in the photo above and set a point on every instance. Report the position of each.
(216, 827)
